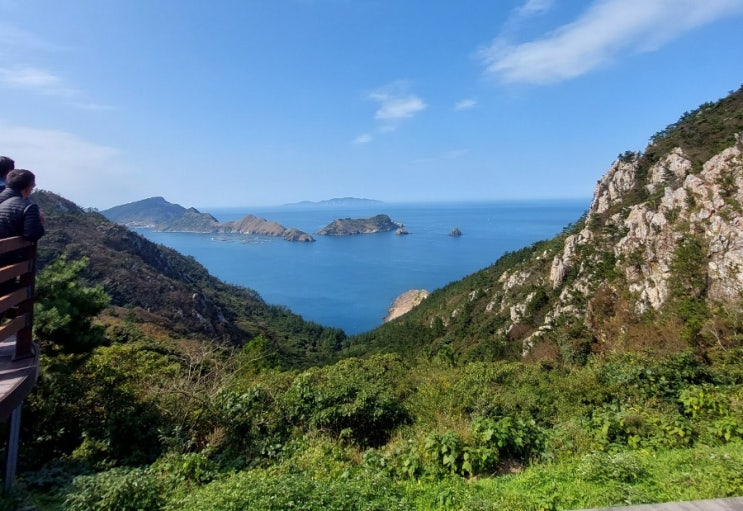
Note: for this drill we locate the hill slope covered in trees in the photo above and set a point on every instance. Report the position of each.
(158, 285)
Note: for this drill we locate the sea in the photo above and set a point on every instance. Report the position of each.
(349, 282)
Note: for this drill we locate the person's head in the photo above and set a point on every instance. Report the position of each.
(21, 180)
(6, 165)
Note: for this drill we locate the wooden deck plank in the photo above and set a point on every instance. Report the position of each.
(731, 504)
(17, 377)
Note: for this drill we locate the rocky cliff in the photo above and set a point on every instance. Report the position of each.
(655, 263)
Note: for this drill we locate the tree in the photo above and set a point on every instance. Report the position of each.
(65, 308)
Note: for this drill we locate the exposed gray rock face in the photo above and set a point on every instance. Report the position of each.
(650, 231)
(297, 235)
(405, 302)
(619, 179)
(626, 247)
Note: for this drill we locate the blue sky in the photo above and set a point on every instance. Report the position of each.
(265, 102)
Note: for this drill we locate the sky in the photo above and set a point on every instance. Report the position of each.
(233, 103)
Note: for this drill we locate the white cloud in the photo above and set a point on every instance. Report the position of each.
(17, 47)
(37, 81)
(396, 103)
(363, 139)
(43, 82)
(465, 104)
(604, 31)
(27, 77)
(533, 7)
(392, 109)
(66, 164)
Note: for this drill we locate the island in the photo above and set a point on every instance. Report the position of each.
(297, 235)
(338, 202)
(351, 226)
(160, 215)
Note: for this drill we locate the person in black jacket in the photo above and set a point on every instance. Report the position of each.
(18, 215)
(6, 165)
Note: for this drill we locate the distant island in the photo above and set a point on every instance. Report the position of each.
(340, 202)
(158, 214)
(351, 226)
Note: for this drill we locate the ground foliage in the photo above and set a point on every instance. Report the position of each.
(148, 422)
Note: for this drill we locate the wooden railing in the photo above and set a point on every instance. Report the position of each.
(19, 360)
(17, 281)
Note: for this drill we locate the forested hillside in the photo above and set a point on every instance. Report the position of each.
(157, 285)
(600, 368)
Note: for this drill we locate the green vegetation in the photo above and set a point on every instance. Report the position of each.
(140, 423)
(151, 423)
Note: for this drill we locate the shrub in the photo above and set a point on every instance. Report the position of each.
(353, 399)
(265, 490)
(119, 489)
(626, 467)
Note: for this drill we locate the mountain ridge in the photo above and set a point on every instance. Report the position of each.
(654, 264)
(158, 214)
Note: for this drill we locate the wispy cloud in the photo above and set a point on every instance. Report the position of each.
(393, 109)
(363, 139)
(607, 29)
(17, 48)
(396, 103)
(39, 81)
(465, 104)
(28, 77)
(16, 41)
(66, 164)
(532, 8)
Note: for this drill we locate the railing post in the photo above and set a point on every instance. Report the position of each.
(11, 454)
(24, 339)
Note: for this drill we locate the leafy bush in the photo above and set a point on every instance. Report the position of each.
(601, 467)
(119, 489)
(353, 399)
(268, 490)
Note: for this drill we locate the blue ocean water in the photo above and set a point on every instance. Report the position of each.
(349, 282)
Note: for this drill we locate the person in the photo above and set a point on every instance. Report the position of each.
(19, 216)
(6, 165)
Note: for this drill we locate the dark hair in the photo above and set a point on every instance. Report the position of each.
(6, 165)
(19, 179)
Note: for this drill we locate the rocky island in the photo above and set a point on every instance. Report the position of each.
(351, 226)
(160, 215)
(251, 224)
